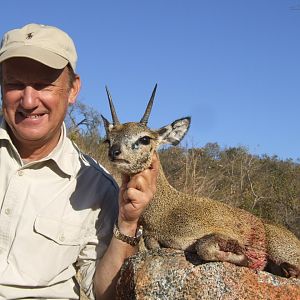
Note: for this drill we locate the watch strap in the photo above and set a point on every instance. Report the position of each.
(131, 240)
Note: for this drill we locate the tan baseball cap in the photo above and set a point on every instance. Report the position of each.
(46, 44)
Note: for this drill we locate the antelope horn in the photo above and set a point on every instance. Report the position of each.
(112, 108)
(146, 115)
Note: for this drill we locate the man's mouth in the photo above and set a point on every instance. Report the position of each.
(31, 116)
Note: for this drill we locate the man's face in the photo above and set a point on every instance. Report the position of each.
(35, 99)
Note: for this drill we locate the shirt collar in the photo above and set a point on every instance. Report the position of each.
(63, 154)
(3, 130)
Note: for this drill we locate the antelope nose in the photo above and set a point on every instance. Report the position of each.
(114, 152)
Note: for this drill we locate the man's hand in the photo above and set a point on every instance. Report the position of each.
(135, 194)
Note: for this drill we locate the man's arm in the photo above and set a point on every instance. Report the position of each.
(134, 196)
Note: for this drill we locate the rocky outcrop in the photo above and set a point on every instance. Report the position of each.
(170, 275)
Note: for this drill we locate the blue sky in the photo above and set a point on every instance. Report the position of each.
(233, 66)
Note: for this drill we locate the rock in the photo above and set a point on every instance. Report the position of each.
(170, 274)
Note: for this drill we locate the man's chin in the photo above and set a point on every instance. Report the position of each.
(30, 135)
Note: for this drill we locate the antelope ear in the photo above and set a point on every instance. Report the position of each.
(107, 125)
(175, 132)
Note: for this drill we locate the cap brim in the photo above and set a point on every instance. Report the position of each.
(43, 56)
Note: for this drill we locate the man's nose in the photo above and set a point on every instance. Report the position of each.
(30, 97)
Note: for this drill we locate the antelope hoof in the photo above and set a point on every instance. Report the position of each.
(216, 247)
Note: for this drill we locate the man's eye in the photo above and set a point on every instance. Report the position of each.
(41, 86)
(14, 86)
(145, 140)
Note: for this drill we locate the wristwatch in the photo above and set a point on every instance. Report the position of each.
(131, 240)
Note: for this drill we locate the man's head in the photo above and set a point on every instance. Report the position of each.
(38, 82)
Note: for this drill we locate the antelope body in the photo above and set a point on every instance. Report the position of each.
(212, 229)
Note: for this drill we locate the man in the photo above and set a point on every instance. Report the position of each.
(58, 206)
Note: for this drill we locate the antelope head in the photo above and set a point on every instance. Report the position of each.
(132, 144)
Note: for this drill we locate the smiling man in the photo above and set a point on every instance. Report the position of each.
(58, 207)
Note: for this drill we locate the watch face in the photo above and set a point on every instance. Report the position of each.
(131, 240)
(139, 232)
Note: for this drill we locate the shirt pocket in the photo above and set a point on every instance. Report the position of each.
(57, 246)
(58, 231)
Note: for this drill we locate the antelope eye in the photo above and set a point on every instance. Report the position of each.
(145, 140)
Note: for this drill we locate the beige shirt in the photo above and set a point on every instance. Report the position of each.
(56, 215)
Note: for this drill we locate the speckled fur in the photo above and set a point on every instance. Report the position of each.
(283, 250)
(216, 231)
(185, 222)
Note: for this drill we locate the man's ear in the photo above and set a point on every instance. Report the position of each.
(74, 91)
(175, 132)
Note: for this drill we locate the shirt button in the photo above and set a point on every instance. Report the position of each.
(61, 238)
(20, 172)
(7, 211)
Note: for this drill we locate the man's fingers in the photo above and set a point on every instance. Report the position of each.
(155, 165)
(138, 182)
(155, 162)
(125, 179)
(137, 197)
